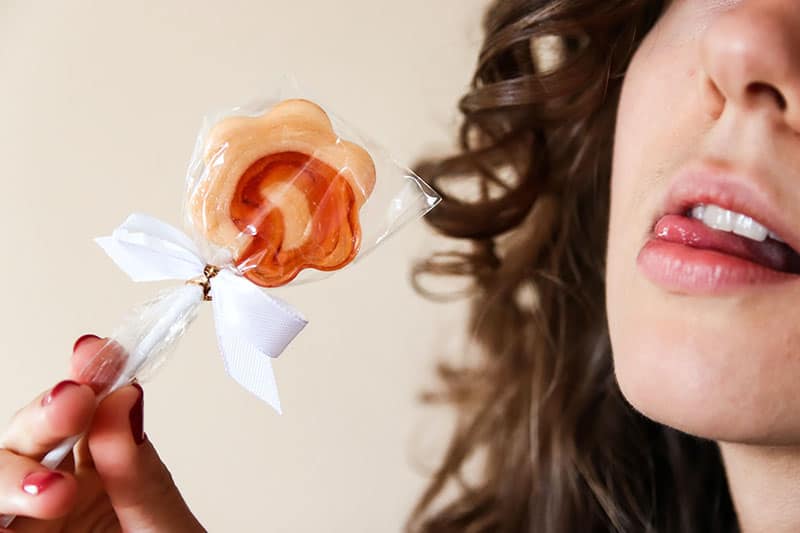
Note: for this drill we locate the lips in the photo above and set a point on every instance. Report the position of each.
(691, 232)
(751, 196)
(684, 255)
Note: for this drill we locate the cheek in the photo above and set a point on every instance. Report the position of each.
(641, 147)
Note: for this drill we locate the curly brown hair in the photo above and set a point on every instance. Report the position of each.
(559, 447)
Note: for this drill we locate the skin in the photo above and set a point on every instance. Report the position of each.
(110, 483)
(719, 367)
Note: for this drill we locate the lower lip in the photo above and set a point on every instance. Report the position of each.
(681, 268)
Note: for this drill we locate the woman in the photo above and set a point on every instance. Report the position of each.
(632, 297)
(670, 313)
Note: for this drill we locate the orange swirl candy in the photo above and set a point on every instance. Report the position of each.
(282, 192)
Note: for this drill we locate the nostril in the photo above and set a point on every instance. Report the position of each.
(757, 87)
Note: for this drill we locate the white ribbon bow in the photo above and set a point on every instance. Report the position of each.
(251, 325)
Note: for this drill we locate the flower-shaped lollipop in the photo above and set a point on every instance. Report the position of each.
(282, 192)
(279, 192)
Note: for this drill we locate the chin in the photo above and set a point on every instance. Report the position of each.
(715, 369)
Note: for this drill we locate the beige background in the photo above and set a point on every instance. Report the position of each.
(99, 105)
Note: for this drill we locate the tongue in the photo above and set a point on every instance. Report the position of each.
(692, 232)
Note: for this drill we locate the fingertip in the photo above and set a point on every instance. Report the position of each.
(117, 404)
(97, 361)
(47, 494)
(72, 412)
(61, 412)
(64, 496)
(124, 396)
(85, 347)
(111, 436)
(83, 338)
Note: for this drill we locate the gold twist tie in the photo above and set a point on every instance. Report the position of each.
(204, 281)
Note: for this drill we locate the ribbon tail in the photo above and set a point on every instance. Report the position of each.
(251, 369)
(252, 327)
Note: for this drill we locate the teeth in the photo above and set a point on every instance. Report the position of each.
(721, 219)
(747, 227)
(718, 218)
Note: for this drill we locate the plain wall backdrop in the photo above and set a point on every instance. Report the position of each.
(99, 106)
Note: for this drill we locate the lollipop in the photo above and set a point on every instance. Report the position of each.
(282, 192)
(271, 192)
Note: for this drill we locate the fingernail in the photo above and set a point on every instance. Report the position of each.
(37, 482)
(83, 339)
(137, 416)
(55, 391)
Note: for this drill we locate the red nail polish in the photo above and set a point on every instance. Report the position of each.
(37, 482)
(82, 339)
(55, 391)
(136, 416)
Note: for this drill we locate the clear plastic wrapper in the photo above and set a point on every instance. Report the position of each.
(336, 193)
(278, 192)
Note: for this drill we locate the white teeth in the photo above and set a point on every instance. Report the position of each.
(747, 227)
(718, 218)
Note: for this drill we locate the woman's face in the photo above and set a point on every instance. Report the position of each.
(703, 316)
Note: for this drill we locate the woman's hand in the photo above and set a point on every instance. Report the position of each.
(113, 481)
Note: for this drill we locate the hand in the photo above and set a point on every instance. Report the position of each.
(113, 481)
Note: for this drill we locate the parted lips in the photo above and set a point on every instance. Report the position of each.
(282, 192)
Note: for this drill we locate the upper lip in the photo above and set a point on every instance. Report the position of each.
(746, 194)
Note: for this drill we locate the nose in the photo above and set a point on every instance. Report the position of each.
(751, 59)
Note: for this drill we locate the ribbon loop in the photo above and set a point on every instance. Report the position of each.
(252, 326)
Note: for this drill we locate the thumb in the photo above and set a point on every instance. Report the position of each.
(140, 487)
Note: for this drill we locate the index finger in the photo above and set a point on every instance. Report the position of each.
(63, 411)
